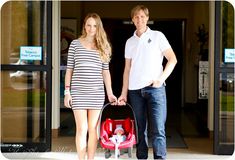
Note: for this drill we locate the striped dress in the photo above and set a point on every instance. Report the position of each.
(87, 87)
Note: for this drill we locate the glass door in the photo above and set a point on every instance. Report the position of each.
(224, 79)
(26, 76)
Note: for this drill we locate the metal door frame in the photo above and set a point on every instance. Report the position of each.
(219, 148)
(41, 146)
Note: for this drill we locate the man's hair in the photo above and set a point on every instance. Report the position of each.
(139, 8)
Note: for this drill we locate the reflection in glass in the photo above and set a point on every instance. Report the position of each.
(23, 102)
(227, 32)
(226, 108)
(19, 79)
(22, 24)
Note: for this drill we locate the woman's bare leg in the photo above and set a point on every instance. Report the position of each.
(81, 132)
(93, 116)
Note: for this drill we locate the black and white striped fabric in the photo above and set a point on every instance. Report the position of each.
(87, 87)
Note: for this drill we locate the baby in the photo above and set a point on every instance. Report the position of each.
(119, 135)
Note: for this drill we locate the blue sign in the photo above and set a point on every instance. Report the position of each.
(31, 53)
(229, 55)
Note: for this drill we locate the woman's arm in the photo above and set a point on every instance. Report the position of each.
(68, 98)
(68, 77)
(108, 86)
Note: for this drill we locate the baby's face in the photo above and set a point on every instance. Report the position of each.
(120, 132)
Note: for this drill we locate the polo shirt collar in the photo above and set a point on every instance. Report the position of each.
(145, 33)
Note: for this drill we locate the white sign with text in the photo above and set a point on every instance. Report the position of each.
(31, 53)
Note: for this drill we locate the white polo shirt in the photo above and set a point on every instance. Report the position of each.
(146, 54)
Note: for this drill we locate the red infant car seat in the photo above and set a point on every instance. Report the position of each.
(107, 129)
(111, 117)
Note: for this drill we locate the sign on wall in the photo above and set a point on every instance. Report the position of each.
(203, 79)
(229, 55)
(30, 53)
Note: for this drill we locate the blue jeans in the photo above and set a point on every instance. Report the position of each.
(149, 106)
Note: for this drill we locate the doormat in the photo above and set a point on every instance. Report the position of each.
(174, 139)
(68, 127)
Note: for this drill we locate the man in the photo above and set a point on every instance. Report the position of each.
(144, 82)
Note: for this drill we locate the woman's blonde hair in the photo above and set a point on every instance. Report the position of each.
(102, 44)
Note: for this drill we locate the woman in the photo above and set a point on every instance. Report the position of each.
(87, 69)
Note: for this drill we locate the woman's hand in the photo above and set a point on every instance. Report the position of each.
(67, 100)
(112, 99)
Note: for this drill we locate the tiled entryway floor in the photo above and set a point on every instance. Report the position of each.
(63, 148)
(199, 146)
